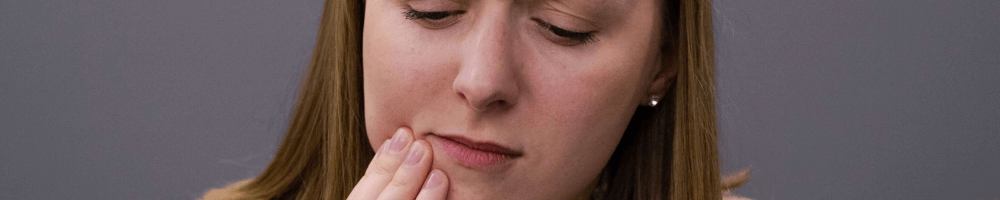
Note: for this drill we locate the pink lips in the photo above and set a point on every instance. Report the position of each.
(478, 155)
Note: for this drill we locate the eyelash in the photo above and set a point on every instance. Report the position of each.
(582, 37)
(412, 14)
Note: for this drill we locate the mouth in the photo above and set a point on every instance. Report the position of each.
(479, 156)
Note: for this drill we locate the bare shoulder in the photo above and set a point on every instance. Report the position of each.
(732, 181)
(225, 193)
(727, 195)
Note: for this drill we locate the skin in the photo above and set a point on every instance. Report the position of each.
(494, 74)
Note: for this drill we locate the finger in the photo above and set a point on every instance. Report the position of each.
(410, 176)
(382, 168)
(436, 187)
(362, 190)
(381, 148)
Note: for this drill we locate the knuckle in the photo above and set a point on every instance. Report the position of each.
(382, 166)
(380, 169)
(398, 183)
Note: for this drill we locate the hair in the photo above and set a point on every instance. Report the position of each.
(667, 152)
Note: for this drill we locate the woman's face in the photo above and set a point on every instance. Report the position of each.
(519, 99)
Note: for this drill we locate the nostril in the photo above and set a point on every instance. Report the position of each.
(501, 103)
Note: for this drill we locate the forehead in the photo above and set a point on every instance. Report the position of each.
(574, 4)
(599, 10)
(589, 4)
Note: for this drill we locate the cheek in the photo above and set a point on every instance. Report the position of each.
(402, 73)
(582, 110)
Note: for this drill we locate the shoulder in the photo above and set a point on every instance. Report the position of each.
(225, 193)
(727, 195)
(732, 181)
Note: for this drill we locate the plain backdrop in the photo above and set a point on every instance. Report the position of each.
(852, 99)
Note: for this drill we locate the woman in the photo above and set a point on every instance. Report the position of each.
(502, 99)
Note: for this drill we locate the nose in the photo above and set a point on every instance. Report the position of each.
(488, 77)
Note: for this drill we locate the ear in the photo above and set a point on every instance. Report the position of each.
(663, 76)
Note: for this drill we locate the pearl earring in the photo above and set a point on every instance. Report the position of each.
(653, 100)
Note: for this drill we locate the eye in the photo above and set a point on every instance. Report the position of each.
(433, 20)
(565, 37)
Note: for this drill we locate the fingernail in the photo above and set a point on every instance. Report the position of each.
(398, 141)
(416, 153)
(433, 180)
(381, 149)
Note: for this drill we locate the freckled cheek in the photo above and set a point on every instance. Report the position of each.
(574, 152)
(402, 77)
(586, 112)
(579, 126)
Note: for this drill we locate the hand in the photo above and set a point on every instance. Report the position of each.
(401, 169)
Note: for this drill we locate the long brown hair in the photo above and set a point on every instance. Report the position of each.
(667, 152)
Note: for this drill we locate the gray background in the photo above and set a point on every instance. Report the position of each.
(823, 99)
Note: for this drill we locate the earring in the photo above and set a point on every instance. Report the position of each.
(653, 100)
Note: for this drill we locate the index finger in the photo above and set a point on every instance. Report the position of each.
(383, 167)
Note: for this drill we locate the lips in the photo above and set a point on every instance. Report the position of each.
(481, 156)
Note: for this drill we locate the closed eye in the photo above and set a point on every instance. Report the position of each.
(414, 14)
(433, 20)
(577, 37)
